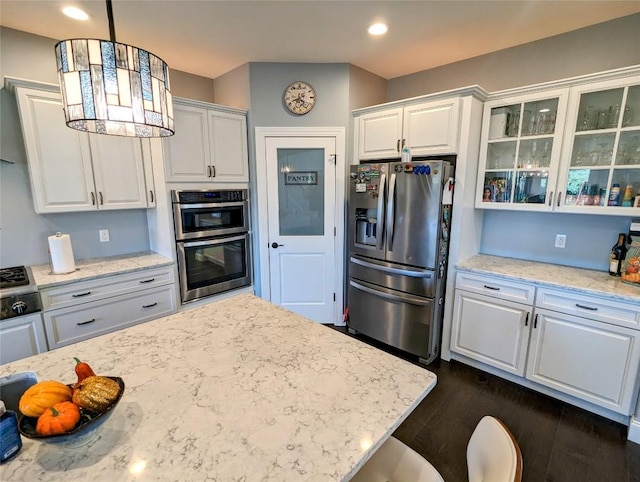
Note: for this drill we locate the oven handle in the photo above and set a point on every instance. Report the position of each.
(211, 205)
(211, 242)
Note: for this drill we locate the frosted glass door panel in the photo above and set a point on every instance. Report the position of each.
(535, 153)
(628, 149)
(301, 192)
(593, 150)
(539, 117)
(599, 110)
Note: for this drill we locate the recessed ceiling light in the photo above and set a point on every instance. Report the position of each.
(378, 29)
(75, 13)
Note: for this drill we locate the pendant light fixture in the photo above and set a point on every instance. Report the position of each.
(113, 88)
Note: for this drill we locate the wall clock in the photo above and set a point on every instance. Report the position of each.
(299, 97)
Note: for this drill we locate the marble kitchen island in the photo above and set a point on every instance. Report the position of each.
(238, 389)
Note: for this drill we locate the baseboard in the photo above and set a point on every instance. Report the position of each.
(634, 430)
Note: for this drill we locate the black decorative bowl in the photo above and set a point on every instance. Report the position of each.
(85, 430)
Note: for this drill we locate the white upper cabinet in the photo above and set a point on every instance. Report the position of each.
(427, 128)
(520, 152)
(71, 170)
(209, 145)
(571, 149)
(602, 149)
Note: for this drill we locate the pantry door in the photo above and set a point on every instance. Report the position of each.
(301, 226)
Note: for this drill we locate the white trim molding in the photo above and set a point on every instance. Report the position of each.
(634, 430)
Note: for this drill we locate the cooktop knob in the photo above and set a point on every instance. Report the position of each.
(19, 307)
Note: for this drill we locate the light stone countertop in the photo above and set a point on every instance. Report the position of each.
(98, 267)
(585, 281)
(238, 389)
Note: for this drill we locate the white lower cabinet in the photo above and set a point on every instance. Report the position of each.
(490, 331)
(594, 361)
(83, 310)
(21, 337)
(585, 347)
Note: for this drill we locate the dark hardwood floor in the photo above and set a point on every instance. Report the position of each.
(559, 442)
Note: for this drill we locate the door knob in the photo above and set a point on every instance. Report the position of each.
(276, 245)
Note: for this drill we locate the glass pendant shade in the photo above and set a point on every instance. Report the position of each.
(113, 88)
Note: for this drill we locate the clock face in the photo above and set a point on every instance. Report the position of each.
(299, 97)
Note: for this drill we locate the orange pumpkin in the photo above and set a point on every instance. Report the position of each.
(60, 418)
(43, 395)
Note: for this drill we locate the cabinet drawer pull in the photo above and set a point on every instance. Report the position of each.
(213, 171)
(535, 321)
(591, 308)
(93, 199)
(492, 288)
(80, 295)
(526, 320)
(208, 171)
(559, 196)
(147, 281)
(551, 198)
(398, 145)
(150, 306)
(151, 194)
(101, 198)
(86, 322)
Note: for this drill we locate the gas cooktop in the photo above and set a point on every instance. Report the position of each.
(18, 292)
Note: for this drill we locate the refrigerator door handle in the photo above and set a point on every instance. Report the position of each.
(391, 212)
(380, 221)
(383, 294)
(390, 270)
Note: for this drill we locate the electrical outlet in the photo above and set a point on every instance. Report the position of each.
(561, 240)
(104, 235)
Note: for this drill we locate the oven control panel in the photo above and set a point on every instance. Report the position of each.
(206, 197)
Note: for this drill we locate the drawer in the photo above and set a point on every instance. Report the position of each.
(591, 307)
(501, 288)
(77, 323)
(106, 287)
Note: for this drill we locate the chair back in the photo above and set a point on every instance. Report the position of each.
(493, 455)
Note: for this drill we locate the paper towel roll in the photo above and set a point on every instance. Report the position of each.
(61, 254)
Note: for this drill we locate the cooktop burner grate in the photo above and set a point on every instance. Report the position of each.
(13, 277)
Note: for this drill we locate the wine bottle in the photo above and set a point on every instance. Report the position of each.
(618, 253)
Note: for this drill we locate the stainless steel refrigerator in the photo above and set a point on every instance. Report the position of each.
(398, 245)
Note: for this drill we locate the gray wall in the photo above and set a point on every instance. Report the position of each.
(597, 48)
(604, 46)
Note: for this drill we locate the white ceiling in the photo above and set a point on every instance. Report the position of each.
(212, 37)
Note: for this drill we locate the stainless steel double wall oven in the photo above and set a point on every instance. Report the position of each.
(212, 241)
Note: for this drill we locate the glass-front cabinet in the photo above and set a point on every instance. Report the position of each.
(520, 151)
(571, 149)
(602, 149)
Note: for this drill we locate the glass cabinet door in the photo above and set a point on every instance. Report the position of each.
(604, 164)
(522, 149)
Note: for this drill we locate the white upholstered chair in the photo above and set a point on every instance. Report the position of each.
(493, 455)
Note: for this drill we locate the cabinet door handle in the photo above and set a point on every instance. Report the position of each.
(101, 198)
(151, 194)
(208, 171)
(93, 199)
(398, 146)
(86, 322)
(213, 171)
(591, 308)
(492, 288)
(559, 196)
(80, 295)
(147, 280)
(535, 322)
(150, 306)
(526, 320)
(551, 199)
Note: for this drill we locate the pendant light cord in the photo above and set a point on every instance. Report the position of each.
(112, 28)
